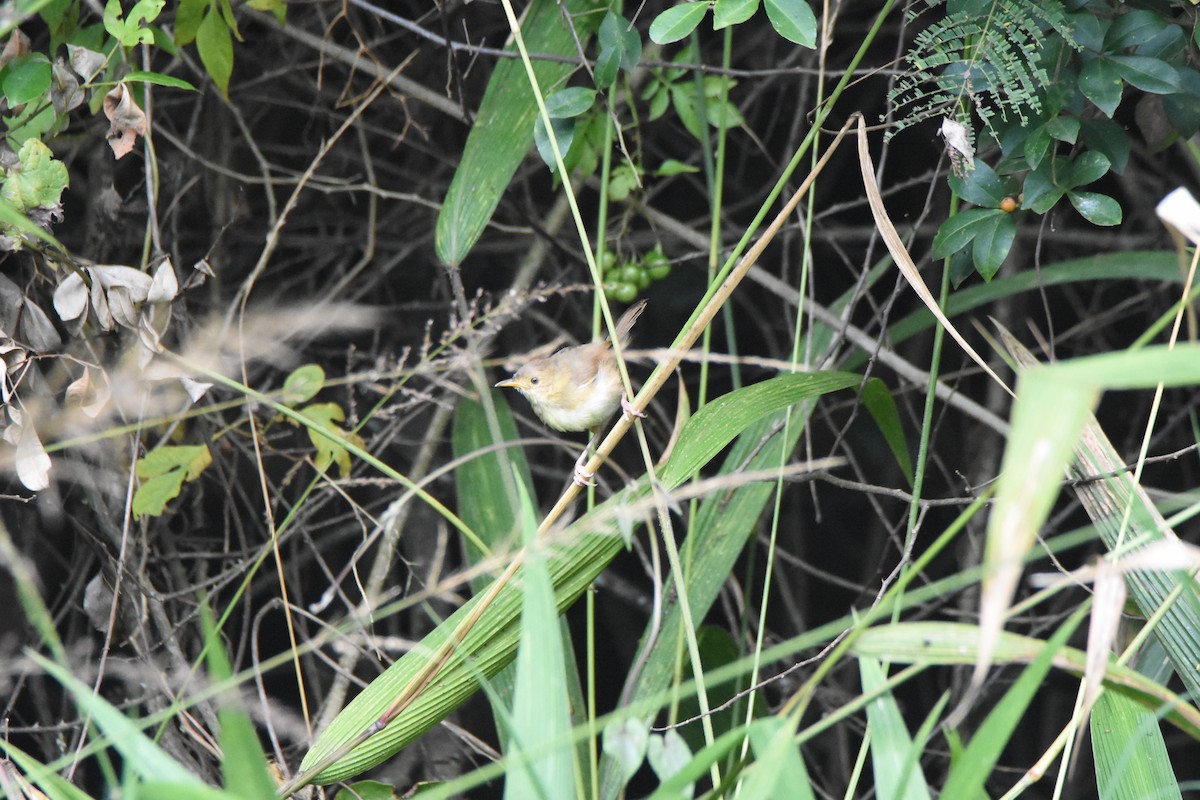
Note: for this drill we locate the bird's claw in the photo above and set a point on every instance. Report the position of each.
(629, 408)
(582, 477)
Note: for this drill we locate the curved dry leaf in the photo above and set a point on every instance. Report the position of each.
(100, 305)
(65, 93)
(17, 45)
(121, 305)
(91, 395)
(165, 286)
(33, 465)
(194, 389)
(126, 120)
(70, 298)
(37, 330)
(135, 281)
(86, 63)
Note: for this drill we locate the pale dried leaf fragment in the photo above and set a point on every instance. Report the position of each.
(195, 389)
(71, 297)
(33, 465)
(126, 120)
(121, 305)
(165, 286)
(1180, 211)
(86, 63)
(92, 396)
(100, 305)
(958, 140)
(65, 93)
(16, 46)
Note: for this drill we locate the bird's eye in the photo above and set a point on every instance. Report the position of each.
(533, 381)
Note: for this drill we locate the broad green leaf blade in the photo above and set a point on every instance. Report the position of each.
(141, 754)
(1131, 757)
(1096, 208)
(214, 43)
(732, 12)
(540, 740)
(1100, 81)
(773, 740)
(503, 129)
(484, 503)
(716, 424)
(981, 186)
(1148, 74)
(892, 751)
(882, 408)
(677, 22)
(142, 76)
(992, 243)
(793, 20)
(958, 231)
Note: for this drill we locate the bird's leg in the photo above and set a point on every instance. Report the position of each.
(629, 409)
(582, 477)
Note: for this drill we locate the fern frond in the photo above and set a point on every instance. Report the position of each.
(984, 58)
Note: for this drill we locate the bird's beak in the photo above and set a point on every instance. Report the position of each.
(512, 383)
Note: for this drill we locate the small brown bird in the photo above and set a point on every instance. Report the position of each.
(578, 388)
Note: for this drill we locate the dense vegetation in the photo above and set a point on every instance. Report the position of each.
(263, 264)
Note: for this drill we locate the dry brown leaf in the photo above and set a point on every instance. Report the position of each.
(17, 45)
(126, 120)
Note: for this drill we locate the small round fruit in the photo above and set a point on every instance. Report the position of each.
(621, 292)
(1008, 205)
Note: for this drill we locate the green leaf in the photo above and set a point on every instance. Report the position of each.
(142, 76)
(161, 474)
(540, 739)
(992, 243)
(564, 135)
(14, 221)
(1089, 167)
(1148, 74)
(1041, 192)
(303, 384)
(503, 129)
(981, 186)
(37, 181)
(191, 459)
(958, 231)
(570, 102)
(1096, 208)
(620, 46)
(328, 437)
(188, 16)
(215, 46)
(716, 424)
(132, 30)
(26, 78)
(1133, 28)
(1100, 81)
(367, 790)
(892, 751)
(1107, 137)
(1131, 757)
(625, 742)
(677, 22)
(793, 20)
(683, 100)
(878, 400)
(1064, 129)
(674, 166)
(732, 12)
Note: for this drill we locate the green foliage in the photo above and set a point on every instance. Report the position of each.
(792, 19)
(997, 62)
(161, 474)
(37, 181)
(132, 28)
(211, 25)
